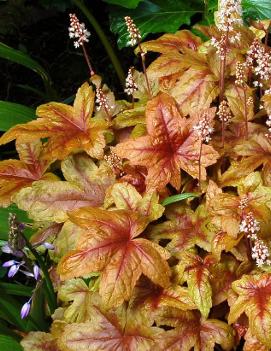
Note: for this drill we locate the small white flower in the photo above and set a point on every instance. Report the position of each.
(78, 31)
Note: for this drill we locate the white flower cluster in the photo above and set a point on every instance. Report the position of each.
(229, 14)
(133, 31)
(251, 227)
(260, 61)
(243, 202)
(260, 253)
(101, 100)
(130, 84)
(203, 128)
(78, 31)
(224, 112)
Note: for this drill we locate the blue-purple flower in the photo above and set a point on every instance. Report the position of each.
(26, 309)
(13, 266)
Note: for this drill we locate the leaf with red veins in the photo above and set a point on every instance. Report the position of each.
(193, 332)
(222, 275)
(254, 153)
(255, 301)
(68, 128)
(108, 331)
(18, 174)
(150, 296)
(175, 43)
(85, 185)
(109, 245)
(168, 146)
(126, 197)
(195, 90)
(185, 229)
(197, 276)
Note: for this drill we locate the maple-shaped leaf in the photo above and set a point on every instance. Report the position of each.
(255, 301)
(68, 128)
(192, 332)
(39, 341)
(82, 297)
(195, 90)
(150, 296)
(197, 275)
(235, 98)
(18, 174)
(222, 274)
(108, 331)
(169, 42)
(126, 197)
(254, 153)
(169, 146)
(85, 185)
(185, 229)
(109, 245)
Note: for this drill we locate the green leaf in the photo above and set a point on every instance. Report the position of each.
(7, 343)
(12, 114)
(175, 198)
(4, 213)
(154, 16)
(15, 289)
(37, 317)
(23, 59)
(257, 9)
(6, 330)
(130, 4)
(10, 311)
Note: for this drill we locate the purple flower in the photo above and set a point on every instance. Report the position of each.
(10, 263)
(36, 271)
(14, 267)
(48, 246)
(6, 249)
(26, 309)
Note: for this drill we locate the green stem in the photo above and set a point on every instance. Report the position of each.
(49, 289)
(110, 51)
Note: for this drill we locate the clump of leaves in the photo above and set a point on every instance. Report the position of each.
(130, 273)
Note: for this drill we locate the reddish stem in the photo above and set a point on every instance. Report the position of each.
(142, 54)
(200, 153)
(87, 60)
(245, 111)
(109, 117)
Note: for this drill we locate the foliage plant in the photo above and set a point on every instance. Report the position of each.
(150, 217)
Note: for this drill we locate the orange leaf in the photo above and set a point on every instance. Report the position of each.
(255, 300)
(109, 245)
(173, 43)
(68, 128)
(17, 174)
(108, 331)
(169, 146)
(192, 332)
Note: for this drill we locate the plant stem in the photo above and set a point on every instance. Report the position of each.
(49, 289)
(110, 51)
(222, 82)
(245, 111)
(87, 60)
(142, 54)
(200, 153)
